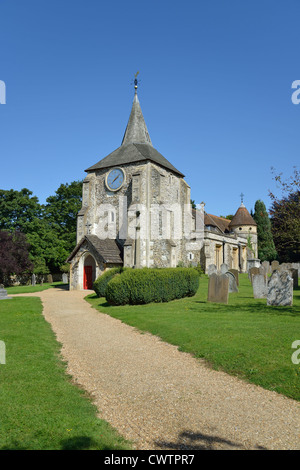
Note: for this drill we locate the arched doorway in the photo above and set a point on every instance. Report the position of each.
(89, 272)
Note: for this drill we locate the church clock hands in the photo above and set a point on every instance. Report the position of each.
(115, 179)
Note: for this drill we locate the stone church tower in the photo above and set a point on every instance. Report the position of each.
(135, 202)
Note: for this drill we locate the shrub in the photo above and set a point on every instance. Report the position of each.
(100, 284)
(142, 286)
(199, 269)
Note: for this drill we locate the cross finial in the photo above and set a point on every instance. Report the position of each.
(242, 197)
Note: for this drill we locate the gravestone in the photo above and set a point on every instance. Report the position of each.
(260, 286)
(263, 271)
(224, 268)
(33, 280)
(280, 289)
(3, 293)
(65, 278)
(296, 266)
(252, 272)
(212, 269)
(294, 273)
(218, 287)
(50, 278)
(266, 266)
(235, 272)
(232, 282)
(274, 265)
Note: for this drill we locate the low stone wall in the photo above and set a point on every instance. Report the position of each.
(26, 279)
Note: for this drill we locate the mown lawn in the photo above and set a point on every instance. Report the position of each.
(31, 289)
(244, 338)
(40, 408)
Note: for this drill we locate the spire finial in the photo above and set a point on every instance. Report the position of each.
(136, 81)
(242, 198)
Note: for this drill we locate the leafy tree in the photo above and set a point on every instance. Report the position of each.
(285, 217)
(228, 217)
(18, 209)
(61, 214)
(14, 255)
(50, 229)
(193, 204)
(266, 247)
(47, 250)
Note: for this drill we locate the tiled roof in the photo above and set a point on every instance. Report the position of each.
(136, 145)
(108, 249)
(133, 153)
(215, 221)
(242, 217)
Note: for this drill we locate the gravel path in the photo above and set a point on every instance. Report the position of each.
(158, 397)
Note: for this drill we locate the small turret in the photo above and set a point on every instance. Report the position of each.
(245, 226)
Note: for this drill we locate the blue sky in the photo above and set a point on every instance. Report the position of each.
(215, 91)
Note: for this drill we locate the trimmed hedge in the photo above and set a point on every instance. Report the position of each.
(142, 286)
(101, 282)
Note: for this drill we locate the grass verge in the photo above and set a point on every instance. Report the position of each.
(245, 338)
(40, 408)
(31, 289)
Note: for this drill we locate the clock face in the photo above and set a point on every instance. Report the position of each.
(114, 179)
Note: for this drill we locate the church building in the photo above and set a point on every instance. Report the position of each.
(136, 212)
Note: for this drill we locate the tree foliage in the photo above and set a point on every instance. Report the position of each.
(50, 229)
(266, 247)
(14, 255)
(228, 217)
(285, 217)
(18, 209)
(60, 215)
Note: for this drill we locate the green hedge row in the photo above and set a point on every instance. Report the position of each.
(141, 286)
(100, 284)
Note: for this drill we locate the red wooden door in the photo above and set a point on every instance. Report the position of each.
(88, 277)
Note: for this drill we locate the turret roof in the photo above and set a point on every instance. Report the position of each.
(242, 217)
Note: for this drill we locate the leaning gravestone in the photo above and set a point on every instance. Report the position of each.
(218, 287)
(260, 286)
(50, 278)
(232, 282)
(212, 269)
(280, 289)
(235, 272)
(224, 268)
(3, 293)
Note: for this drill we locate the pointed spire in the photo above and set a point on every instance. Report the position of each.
(136, 130)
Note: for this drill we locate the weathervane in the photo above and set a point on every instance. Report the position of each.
(242, 197)
(136, 81)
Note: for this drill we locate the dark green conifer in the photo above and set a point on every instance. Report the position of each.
(266, 247)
